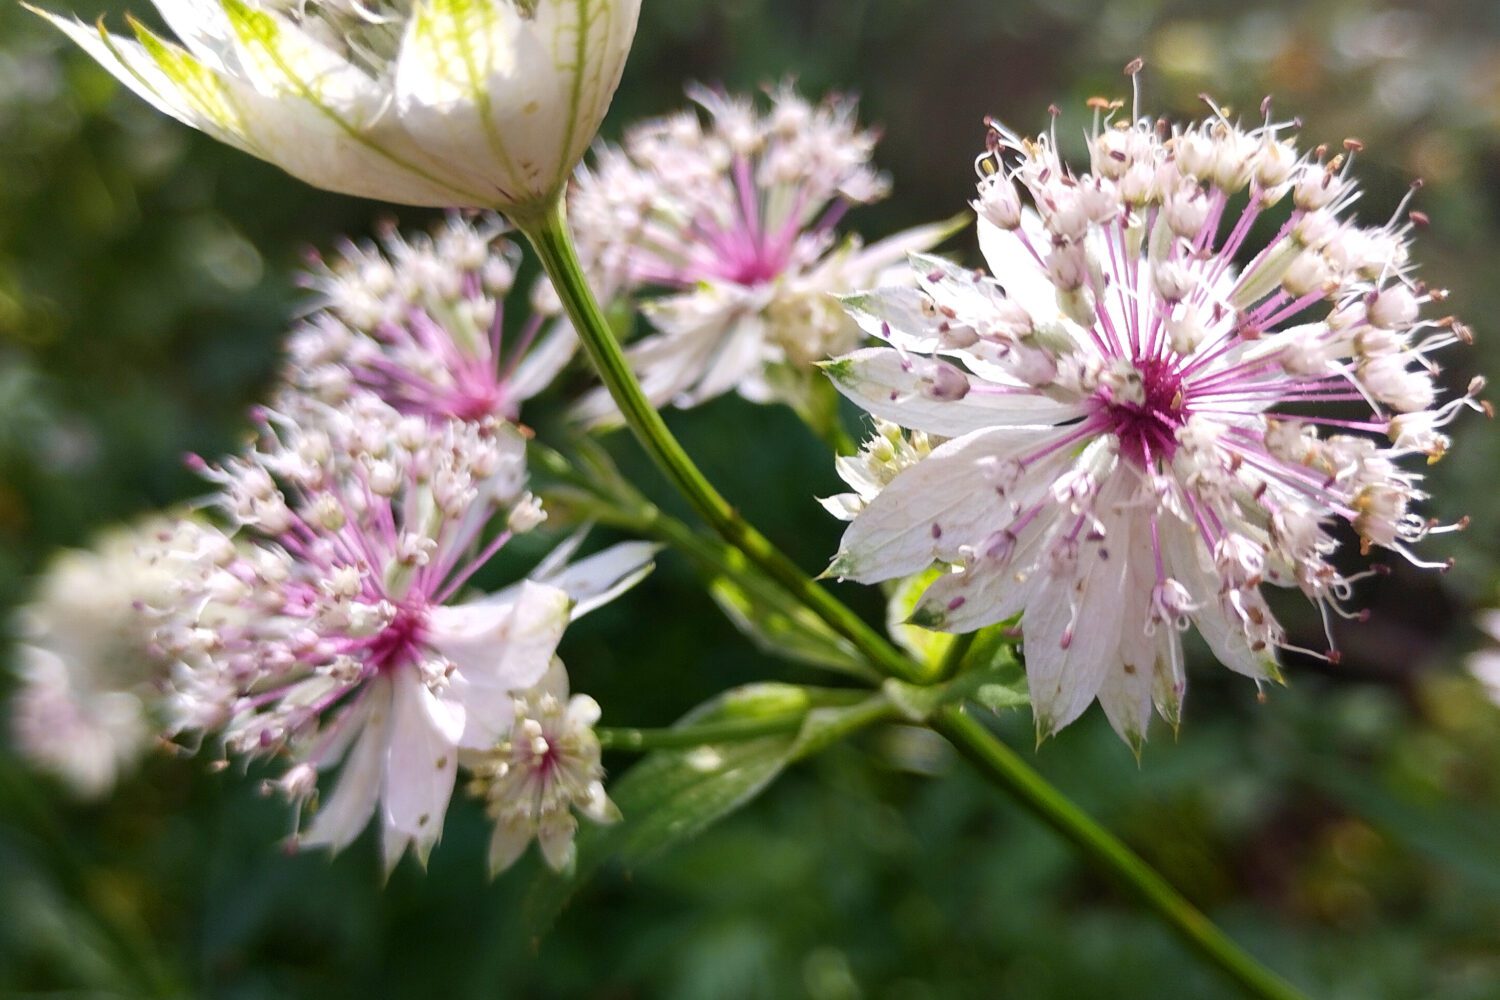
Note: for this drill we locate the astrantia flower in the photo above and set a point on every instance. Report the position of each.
(325, 632)
(88, 676)
(735, 221)
(421, 324)
(1140, 435)
(545, 769)
(473, 103)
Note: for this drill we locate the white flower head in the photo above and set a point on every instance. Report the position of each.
(1115, 472)
(546, 768)
(84, 709)
(421, 323)
(468, 103)
(733, 220)
(325, 631)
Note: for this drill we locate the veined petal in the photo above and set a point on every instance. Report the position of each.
(204, 28)
(482, 83)
(587, 42)
(167, 77)
(894, 386)
(324, 120)
(421, 760)
(930, 510)
(1072, 628)
(1125, 694)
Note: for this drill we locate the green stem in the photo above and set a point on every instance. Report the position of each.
(953, 656)
(554, 247)
(1005, 768)
(684, 737)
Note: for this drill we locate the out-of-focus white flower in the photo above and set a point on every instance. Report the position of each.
(1115, 471)
(547, 767)
(326, 633)
(1485, 664)
(88, 676)
(421, 323)
(734, 220)
(471, 103)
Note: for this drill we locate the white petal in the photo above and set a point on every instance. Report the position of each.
(518, 98)
(867, 263)
(1016, 267)
(556, 841)
(888, 384)
(498, 649)
(740, 352)
(421, 760)
(1072, 629)
(346, 812)
(1188, 560)
(507, 844)
(1125, 694)
(203, 28)
(989, 589)
(898, 314)
(934, 509)
(324, 120)
(172, 81)
(602, 577)
(542, 363)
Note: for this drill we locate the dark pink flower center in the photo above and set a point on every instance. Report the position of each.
(400, 642)
(1147, 430)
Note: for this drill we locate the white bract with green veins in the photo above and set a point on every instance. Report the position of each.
(472, 103)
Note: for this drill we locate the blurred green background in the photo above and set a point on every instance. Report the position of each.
(1347, 830)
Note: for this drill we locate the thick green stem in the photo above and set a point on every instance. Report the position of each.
(555, 248)
(1005, 768)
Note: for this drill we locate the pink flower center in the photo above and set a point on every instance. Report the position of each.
(1146, 426)
(400, 642)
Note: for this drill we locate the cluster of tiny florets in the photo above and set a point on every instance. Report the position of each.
(421, 323)
(730, 226)
(547, 767)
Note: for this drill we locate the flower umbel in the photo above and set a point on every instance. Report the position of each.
(420, 323)
(1141, 431)
(324, 631)
(735, 221)
(471, 103)
(546, 767)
